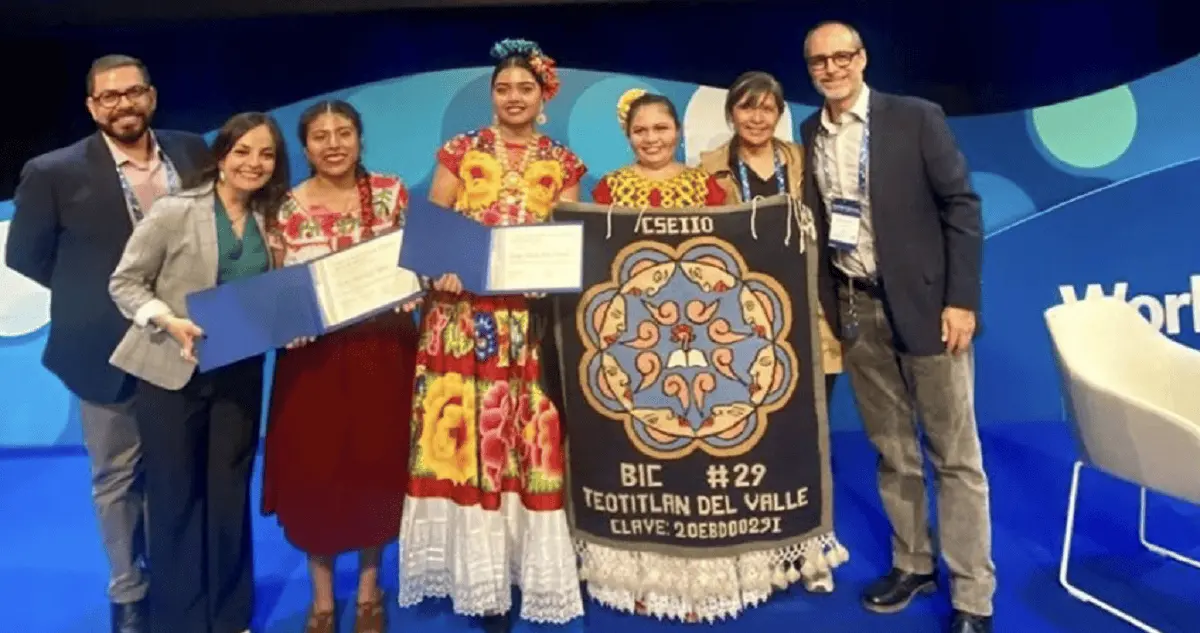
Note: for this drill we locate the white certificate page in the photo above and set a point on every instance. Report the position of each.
(362, 279)
(536, 258)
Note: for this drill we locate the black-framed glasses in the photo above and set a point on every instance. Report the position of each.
(840, 59)
(110, 98)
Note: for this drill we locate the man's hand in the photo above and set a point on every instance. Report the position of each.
(958, 327)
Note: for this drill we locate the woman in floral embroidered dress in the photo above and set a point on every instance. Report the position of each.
(485, 498)
(336, 460)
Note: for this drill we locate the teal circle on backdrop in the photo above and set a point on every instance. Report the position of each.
(594, 133)
(1004, 202)
(1091, 131)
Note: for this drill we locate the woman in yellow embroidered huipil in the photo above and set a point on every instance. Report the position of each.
(485, 498)
(656, 180)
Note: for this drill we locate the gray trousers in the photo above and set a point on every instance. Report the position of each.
(115, 451)
(888, 386)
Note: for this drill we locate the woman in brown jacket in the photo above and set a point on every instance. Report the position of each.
(755, 163)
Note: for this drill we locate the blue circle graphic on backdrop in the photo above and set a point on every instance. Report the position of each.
(1091, 131)
(1003, 201)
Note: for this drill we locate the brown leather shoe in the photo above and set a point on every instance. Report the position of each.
(368, 618)
(320, 622)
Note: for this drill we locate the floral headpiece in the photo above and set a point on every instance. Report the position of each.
(542, 64)
(624, 102)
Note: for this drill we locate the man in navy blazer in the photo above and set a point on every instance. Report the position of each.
(901, 224)
(75, 209)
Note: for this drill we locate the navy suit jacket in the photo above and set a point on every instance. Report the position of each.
(927, 219)
(68, 231)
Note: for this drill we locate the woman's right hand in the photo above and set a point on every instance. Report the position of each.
(448, 282)
(185, 333)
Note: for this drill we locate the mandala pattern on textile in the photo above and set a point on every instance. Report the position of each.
(687, 348)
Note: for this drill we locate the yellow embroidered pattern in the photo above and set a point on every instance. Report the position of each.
(629, 189)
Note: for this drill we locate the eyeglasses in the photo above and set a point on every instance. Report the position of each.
(110, 98)
(841, 59)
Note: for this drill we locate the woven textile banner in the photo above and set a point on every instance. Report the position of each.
(695, 408)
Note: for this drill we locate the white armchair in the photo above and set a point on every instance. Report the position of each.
(1133, 396)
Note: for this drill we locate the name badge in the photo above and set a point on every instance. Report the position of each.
(845, 222)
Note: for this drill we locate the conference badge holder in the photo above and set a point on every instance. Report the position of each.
(844, 227)
(844, 224)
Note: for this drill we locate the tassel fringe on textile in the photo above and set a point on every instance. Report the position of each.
(708, 589)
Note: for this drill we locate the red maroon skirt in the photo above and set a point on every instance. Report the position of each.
(336, 454)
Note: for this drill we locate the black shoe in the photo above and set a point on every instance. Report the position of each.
(497, 623)
(893, 592)
(130, 618)
(966, 623)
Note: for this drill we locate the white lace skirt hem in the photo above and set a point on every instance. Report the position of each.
(475, 556)
(707, 589)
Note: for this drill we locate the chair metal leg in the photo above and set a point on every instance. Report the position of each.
(1076, 592)
(1158, 549)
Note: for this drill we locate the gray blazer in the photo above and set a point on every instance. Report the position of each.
(171, 254)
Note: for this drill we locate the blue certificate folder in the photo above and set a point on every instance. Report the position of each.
(439, 241)
(257, 314)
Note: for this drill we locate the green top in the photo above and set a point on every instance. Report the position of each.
(236, 258)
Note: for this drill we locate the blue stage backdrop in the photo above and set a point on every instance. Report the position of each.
(1091, 196)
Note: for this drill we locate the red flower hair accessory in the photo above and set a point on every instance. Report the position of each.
(545, 67)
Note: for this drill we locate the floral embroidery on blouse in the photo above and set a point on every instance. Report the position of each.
(507, 183)
(304, 234)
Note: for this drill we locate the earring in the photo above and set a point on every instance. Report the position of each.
(541, 118)
(495, 119)
(221, 176)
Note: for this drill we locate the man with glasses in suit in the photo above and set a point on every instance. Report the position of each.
(902, 227)
(75, 208)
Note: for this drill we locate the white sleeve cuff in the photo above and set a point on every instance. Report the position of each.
(149, 310)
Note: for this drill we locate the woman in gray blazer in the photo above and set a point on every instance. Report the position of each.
(199, 430)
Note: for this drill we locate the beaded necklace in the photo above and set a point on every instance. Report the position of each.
(514, 176)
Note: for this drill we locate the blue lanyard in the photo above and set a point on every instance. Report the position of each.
(135, 207)
(864, 157)
(779, 180)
